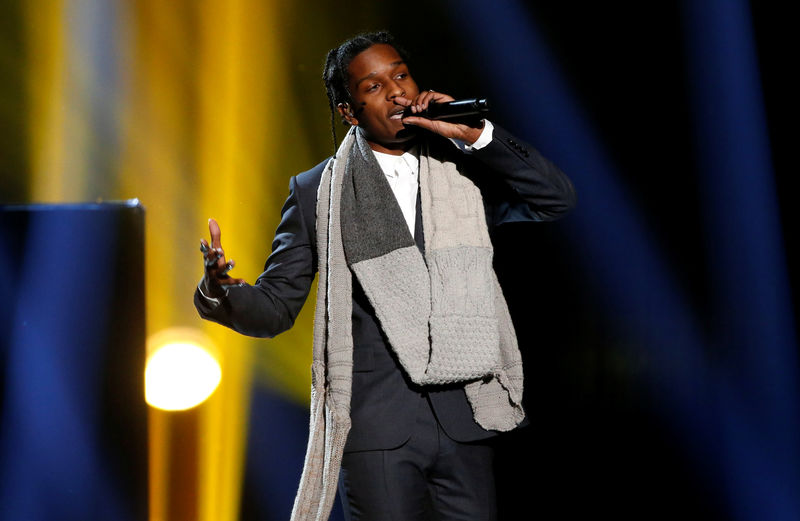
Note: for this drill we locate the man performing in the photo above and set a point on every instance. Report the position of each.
(415, 359)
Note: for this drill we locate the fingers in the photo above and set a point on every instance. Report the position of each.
(216, 266)
(213, 228)
(447, 129)
(226, 280)
(214, 255)
(443, 128)
(463, 132)
(216, 279)
(230, 282)
(427, 124)
(424, 98)
(428, 96)
(211, 256)
(228, 267)
(420, 102)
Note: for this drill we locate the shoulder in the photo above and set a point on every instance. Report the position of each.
(303, 188)
(303, 194)
(309, 180)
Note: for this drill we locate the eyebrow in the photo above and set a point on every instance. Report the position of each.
(373, 73)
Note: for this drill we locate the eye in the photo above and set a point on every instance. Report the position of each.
(402, 76)
(373, 87)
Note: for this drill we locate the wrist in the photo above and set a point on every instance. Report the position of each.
(211, 288)
(471, 134)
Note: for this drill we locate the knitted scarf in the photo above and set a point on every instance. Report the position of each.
(443, 314)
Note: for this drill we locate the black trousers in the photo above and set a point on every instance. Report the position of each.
(430, 477)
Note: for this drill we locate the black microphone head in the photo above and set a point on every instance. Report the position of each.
(458, 109)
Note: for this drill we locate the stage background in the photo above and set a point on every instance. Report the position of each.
(657, 321)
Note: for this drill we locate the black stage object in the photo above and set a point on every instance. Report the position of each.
(73, 420)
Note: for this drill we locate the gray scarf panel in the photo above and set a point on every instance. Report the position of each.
(437, 312)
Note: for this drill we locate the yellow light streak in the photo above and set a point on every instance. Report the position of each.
(208, 126)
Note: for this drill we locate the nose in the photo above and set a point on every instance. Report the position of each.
(394, 90)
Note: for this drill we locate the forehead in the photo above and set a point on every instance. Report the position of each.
(373, 60)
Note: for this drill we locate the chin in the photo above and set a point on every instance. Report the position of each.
(406, 133)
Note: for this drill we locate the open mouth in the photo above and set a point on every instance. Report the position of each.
(397, 114)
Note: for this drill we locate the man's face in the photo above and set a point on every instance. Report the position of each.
(378, 75)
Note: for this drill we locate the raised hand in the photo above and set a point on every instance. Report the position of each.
(216, 279)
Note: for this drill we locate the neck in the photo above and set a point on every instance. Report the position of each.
(404, 141)
(395, 149)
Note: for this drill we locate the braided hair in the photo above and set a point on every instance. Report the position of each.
(335, 73)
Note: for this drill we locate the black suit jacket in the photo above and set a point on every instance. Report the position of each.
(517, 184)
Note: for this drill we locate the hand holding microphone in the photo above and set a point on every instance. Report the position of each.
(452, 109)
(441, 114)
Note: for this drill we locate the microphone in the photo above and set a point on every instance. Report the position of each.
(452, 109)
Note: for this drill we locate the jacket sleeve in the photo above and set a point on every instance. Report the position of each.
(270, 306)
(518, 183)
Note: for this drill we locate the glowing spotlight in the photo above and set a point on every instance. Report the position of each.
(181, 371)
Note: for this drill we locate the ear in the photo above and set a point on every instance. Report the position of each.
(347, 113)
